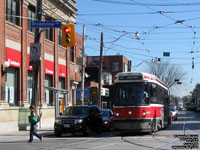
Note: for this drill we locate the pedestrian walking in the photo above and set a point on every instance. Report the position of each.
(33, 120)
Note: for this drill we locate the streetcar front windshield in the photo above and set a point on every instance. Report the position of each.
(130, 94)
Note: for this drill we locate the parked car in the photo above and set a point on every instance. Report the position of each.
(191, 107)
(107, 118)
(173, 112)
(179, 107)
(79, 119)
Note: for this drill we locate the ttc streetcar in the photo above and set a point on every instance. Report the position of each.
(141, 103)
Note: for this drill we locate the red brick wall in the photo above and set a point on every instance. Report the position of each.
(2, 42)
(23, 70)
(20, 35)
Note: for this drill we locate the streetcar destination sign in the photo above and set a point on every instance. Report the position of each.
(130, 78)
(45, 24)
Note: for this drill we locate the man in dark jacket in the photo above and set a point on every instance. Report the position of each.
(33, 119)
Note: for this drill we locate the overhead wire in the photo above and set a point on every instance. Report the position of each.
(149, 4)
(136, 13)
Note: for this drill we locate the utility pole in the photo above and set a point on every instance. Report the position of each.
(35, 63)
(100, 71)
(83, 67)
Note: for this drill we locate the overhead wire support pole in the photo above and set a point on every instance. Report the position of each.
(100, 71)
(36, 63)
(83, 67)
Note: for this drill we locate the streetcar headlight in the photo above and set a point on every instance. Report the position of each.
(117, 114)
(130, 112)
(144, 113)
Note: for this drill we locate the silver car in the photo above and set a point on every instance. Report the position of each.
(173, 112)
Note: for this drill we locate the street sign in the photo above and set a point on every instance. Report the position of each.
(35, 49)
(166, 53)
(45, 24)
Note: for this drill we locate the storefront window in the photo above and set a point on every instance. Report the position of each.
(30, 82)
(48, 93)
(11, 86)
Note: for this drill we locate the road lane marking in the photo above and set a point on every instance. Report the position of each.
(96, 147)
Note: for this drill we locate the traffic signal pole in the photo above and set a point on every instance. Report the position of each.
(36, 63)
(100, 71)
(83, 67)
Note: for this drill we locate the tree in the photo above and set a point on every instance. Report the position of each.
(175, 100)
(195, 93)
(166, 72)
(187, 98)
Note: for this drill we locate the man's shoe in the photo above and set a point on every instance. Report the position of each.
(29, 141)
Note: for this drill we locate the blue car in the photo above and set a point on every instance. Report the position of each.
(107, 119)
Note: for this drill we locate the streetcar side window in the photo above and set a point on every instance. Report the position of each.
(153, 93)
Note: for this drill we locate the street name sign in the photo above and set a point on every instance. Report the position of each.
(166, 53)
(45, 24)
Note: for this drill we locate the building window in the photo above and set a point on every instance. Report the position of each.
(49, 31)
(77, 68)
(31, 17)
(125, 67)
(12, 11)
(61, 83)
(60, 36)
(115, 66)
(81, 53)
(72, 54)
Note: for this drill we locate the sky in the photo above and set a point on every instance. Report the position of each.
(142, 30)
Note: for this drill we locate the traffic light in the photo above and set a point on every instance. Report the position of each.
(68, 35)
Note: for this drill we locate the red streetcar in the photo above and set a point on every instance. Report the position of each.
(141, 103)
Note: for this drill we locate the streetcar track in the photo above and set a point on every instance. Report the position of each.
(153, 136)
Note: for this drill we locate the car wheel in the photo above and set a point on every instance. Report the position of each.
(86, 131)
(58, 133)
(99, 129)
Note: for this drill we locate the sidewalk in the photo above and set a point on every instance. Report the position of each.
(23, 135)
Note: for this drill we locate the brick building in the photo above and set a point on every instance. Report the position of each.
(58, 67)
(111, 65)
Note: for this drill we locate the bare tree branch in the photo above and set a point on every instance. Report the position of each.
(166, 72)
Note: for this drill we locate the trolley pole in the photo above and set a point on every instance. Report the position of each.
(35, 63)
(100, 71)
(83, 67)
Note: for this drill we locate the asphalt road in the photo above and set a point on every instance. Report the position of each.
(185, 130)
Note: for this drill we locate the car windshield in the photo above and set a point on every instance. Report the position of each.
(105, 113)
(131, 94)
(172, 109)
(76, 111)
